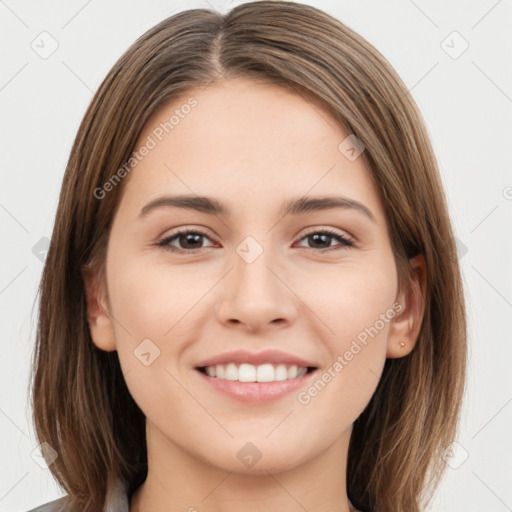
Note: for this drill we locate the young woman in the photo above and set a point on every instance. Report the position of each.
(252, 298)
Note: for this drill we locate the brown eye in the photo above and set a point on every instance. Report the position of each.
(188, 241)
(322, 240)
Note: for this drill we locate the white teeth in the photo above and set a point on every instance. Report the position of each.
(292, 371)
(281, 373)
(301, 372)
(218, 371)
(231, 372)
(249, 373)
(265, 373)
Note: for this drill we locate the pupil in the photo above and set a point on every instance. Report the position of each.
(320, 235)
(187, 237)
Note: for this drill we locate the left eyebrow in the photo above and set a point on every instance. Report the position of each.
(296, 206)
(306, 205)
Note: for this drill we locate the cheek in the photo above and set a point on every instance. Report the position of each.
(155, 322)
(358, 311)
(150, 305)
(152, 299)
(353, 299)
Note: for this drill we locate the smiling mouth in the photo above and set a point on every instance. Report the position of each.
(245, 372)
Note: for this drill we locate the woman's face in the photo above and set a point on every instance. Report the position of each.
(254, 276)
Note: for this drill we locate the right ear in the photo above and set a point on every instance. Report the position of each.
(98, 316)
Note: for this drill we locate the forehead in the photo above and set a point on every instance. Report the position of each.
(244, 139)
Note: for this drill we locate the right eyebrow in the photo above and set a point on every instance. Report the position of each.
(199, 203)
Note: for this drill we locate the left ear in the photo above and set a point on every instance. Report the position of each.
(405, 327)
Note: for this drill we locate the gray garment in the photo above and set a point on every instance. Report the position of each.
(117, 502)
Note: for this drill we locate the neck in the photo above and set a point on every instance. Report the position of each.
(178, 481)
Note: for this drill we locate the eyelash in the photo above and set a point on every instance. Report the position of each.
(345, 242)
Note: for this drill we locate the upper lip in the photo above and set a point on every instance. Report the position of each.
(255, 358)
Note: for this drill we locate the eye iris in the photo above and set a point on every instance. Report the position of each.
(187, 238)
(320, 237)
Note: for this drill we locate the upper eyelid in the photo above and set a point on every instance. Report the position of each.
(336, 231)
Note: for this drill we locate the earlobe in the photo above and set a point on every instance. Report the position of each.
(405, 328)
(98, 317)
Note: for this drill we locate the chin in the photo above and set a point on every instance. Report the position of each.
(259, 457)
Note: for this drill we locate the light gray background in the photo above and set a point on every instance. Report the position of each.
(466, 102)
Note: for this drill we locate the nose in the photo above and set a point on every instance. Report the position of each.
(256, 297)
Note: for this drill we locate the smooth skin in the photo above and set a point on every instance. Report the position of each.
(251, 146)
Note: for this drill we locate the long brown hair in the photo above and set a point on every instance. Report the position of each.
(82, 407)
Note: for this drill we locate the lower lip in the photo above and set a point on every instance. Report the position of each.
(256, 392)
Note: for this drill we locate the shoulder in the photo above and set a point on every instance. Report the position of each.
(116, 501)
(57, 505)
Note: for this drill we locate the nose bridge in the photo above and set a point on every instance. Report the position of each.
(255, 294)
(252, 269)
